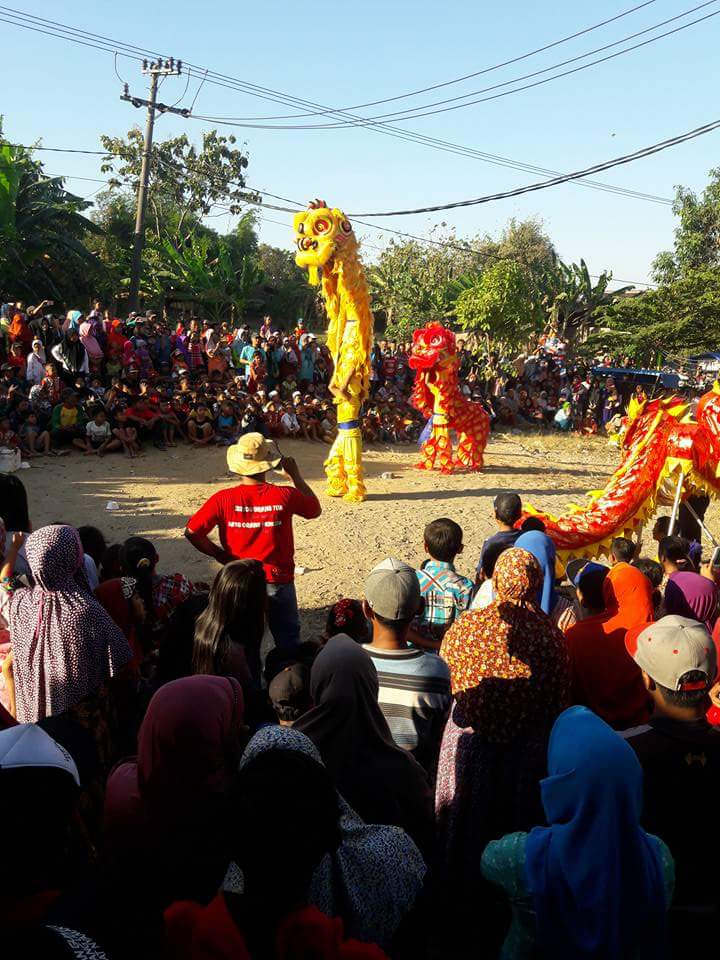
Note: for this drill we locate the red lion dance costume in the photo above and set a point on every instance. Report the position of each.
(437, 394)
(662, 445)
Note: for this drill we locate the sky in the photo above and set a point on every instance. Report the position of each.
(334, 54)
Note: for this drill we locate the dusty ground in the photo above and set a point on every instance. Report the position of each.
(158, 492)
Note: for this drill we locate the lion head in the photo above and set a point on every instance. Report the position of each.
(320, 233)
(433, 346)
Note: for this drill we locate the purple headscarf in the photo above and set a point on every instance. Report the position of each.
(64, 644)
(692, 595)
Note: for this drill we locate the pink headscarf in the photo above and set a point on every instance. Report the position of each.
(94, 350)
(65, 646)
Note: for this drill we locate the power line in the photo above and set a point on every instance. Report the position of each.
(415, 112)
(596, 168)
(385, 129)
(479, 73)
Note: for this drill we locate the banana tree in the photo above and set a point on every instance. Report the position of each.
(202, 270)
(570, 298)
(42, 232)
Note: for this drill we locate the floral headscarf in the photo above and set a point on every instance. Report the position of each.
(508, 662)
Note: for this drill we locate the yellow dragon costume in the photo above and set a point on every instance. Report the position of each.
(328, 249)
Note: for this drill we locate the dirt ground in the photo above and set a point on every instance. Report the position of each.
(159, 491)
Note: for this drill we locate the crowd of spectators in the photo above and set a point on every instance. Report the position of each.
(98, 384)
(513, 763)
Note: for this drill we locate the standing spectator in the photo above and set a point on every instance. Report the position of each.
(680, 755)
(414, 686)
(604, 677)
(593, 883)
(508, 510)
(446, 593)
(510, 679)
(71, 355)
(380, 781)
(558, 608)
(65, 646)
(254, 521)
(36, 363)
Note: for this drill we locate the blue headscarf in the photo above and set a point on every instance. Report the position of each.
(594, 874)
(542, 548)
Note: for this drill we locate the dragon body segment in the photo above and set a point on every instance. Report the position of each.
(328, 248)
(660, 440)
(437, 394)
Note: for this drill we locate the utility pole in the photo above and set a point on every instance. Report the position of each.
(155, 69)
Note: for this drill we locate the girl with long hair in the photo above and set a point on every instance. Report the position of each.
(229, 633)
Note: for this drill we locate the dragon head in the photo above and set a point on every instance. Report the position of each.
(320, 233)
(433, 346)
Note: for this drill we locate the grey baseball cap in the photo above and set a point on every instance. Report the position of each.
(392, 590)
(671, 648)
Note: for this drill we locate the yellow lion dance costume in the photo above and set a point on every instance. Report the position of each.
(328, 249)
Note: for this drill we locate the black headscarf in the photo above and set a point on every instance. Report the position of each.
(72, 353)
(379, 780)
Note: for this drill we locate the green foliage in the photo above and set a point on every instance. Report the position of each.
(697, 238)
(185, 183)
(412, 283)
(285, 293)
(571, 299)
(203, 270)
(678, 319)
(500, 307)
(42, 229)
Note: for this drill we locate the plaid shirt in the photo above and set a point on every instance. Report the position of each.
(446, 593)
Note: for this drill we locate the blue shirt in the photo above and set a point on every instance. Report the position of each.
(446, 593)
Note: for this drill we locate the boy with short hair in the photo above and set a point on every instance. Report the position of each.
(446, 593)
(622, 550)
(414, 692)
(508, 510)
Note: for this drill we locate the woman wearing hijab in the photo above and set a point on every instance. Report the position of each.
(509, 675)
(605, 678)
(92, 347)
(372, 879)
(558, 608)
(379, 780)
(35, 363)
(165, 810)
(66, 648)
(592, 885)
(694, 596)
(72, 357)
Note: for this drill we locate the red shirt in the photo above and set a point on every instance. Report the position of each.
(255, 523)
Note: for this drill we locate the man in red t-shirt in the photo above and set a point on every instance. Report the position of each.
(254, 522)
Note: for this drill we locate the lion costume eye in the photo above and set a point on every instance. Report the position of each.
(346, 226)
(321, 226)
(436, 341)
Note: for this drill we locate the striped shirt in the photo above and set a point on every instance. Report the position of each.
(415, 699)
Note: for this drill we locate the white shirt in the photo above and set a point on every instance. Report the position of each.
(97, 432)
(290, 422)
(35, 368)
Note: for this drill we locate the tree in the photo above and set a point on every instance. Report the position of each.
(412, 282)
(523, 241)
(571, 299)
(500, 308)
(678, 319)
(185, 183)
(285, 293)
(697, 238)
(211, 278)
(42, 232)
